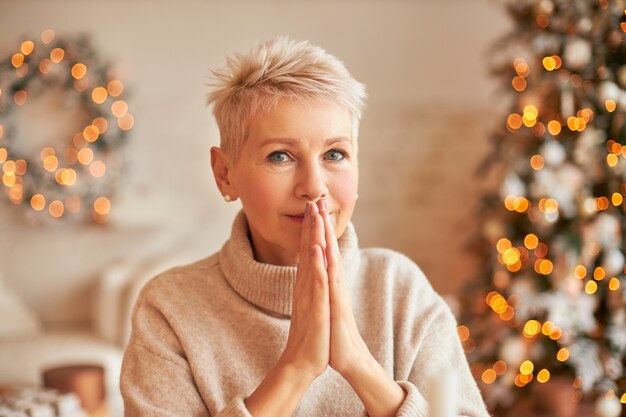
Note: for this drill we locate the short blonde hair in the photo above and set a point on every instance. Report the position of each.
(275, 69)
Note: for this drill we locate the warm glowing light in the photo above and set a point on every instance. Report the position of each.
(551, 206)
(503, 244)
(521, 204)
(617, 199)
(612, 159)
(610, 105)
(508, 314)
(508, 202)
(511, 256)
(541, 250)
(518, 83)
(543, 266)
(99, 95)
(91, 133)
(531, 241)
(578, 382)
(68, 176)
(599, 273)
(526, 368)
(489, 376)
(9, 167)
(556, 334)
(614, 284)
(1, 131)
(549, 63)
(463, 332)
(85, 156)
(126, 122)
(586, 114)
(602, 203)
(119, 108)
(45, 66)
(491, 296)
(115, 88)
(3, 155)
(20, 97)
(543, 376)
(514, 121)
(536, 162)
(27, 47)
(79, 141)
(50, 163)
(56, 55)
(79, 71)
(8, 179)
(97, 169)
(56, 208)
(20, 167)
(102, 205)
(591, 287)
(562, 355)
(554, 127)
(548, 328)
(521, 67)
(38, 202)
(47, 36)
(101, 124)
(623, 399)
(580, 272)
(45, 152)
(500, 367)
(17, 60)
(532, 328)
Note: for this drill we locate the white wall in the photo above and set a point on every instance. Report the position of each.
(431, 105)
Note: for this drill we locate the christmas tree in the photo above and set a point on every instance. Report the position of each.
(550, 303)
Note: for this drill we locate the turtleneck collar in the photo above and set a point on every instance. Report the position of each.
(271, 286)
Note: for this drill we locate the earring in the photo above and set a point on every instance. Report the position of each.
(228, 198)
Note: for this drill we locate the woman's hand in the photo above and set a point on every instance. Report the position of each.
(347, 347)
(309, 333)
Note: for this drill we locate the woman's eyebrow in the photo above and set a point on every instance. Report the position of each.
(292, 141)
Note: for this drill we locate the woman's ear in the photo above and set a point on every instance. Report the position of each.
(221, 165)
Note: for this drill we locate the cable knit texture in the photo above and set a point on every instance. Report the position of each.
(205, 335)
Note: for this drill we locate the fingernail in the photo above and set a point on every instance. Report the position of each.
(324, 205)
(307, 209)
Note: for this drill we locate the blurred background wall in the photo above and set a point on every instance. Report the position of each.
(430, 109)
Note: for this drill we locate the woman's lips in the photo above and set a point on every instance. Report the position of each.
(299, 218)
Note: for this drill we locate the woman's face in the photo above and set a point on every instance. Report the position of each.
(298, 152)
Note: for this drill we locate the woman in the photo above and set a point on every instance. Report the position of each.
(290, 317)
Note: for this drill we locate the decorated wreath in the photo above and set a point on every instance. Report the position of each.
(72, 176)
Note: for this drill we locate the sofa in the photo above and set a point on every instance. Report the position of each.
(35, 336)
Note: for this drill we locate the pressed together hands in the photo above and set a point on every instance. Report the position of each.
(323, 332)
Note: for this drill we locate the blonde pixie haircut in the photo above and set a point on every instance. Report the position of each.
(275, 69)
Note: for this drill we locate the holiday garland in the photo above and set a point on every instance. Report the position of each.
(75, 180)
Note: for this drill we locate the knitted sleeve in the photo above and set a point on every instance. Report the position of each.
(156, 379)
(441, 351)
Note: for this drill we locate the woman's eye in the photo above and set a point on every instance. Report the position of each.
(336, 155)
(278, 156)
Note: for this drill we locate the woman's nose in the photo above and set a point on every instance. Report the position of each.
(311, 182)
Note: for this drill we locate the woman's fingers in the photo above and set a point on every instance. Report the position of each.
(333, 256)
(318, 236)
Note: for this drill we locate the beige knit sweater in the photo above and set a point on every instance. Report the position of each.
(205, 335)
